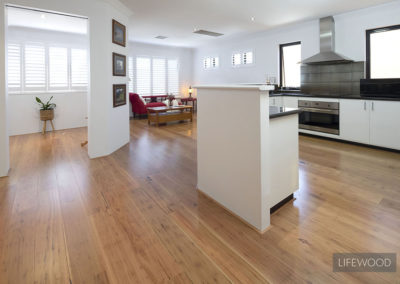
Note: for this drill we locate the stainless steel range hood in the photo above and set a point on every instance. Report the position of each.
(327, 54)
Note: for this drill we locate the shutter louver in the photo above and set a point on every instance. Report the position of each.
(58, 68)
(248, 57)
(79, 68)
(35, 67)
(143, 76)
(236, 59)
(173, 77)
(159, 75)
(130, 74)
(14, 66)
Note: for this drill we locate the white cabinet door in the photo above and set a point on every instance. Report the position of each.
(385, 124)
(354, 120)
(276, 101)
(290, 101)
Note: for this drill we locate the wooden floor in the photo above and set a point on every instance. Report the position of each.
(136, 217)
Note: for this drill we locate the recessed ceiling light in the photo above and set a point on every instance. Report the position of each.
(43, 16)
(253, 19)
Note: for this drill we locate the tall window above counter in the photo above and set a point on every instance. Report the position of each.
(289, 65)
(383, 63)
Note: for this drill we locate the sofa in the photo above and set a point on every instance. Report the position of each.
(139, 107)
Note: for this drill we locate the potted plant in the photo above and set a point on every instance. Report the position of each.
(46, 109)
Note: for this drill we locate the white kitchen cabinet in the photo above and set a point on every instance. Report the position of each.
(385, 124)
(290, 101)
(354, 120)
(276, 101)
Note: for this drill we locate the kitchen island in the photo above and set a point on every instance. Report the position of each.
(247, 152)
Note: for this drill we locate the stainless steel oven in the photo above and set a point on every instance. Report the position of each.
(319, 116)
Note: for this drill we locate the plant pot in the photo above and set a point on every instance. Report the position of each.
(46, 114)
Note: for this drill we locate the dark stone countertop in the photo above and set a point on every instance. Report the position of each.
(332, 96)
(275, 111)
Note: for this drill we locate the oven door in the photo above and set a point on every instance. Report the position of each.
(320, 120)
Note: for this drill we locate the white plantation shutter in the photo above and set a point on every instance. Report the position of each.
(236, 59)
(215, 62)
(143, 76)
(58, 67)
(79, 68)
(35, 67)
(248, 57)
(207, 63)
(14, 66)
(130, 74)
(173, 77)
(159, 75)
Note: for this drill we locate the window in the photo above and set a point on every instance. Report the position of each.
(143, 76)
(383, 56)
(173, 77)
(14, 66)
(159, 76)
(130, 74)
(58, 67)
(242, 58)
(290, 57)
(248, 57)
(156, 76)
(79, 68)
(34, 67)
(211, 62)
(236, 59)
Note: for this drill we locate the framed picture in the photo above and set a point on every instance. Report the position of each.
(118, 33)
(119, 95)
(119, 64)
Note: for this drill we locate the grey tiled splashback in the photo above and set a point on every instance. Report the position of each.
(343, 79)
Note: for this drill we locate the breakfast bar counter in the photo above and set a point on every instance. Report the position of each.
(247, 152)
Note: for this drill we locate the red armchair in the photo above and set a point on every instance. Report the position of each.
(138, 107)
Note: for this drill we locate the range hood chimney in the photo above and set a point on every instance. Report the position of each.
(327, 54)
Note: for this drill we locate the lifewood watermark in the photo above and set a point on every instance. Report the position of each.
(364, 262)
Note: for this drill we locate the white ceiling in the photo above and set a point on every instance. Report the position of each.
(177, 19)
(18, 17)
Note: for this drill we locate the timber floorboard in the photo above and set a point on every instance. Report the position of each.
(136, 217)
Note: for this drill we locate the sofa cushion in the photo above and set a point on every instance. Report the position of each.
(155, 105)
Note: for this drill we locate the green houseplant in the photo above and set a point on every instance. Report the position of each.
(46, 109)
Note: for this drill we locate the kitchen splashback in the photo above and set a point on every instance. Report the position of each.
(334, 79)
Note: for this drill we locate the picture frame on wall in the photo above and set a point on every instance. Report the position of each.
(119, 95)
(118, 33)
(119, 64)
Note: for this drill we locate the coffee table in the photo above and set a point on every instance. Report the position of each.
(165, 114)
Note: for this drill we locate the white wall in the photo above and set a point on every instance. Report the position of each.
(4, 140)
(71, 111)
(108, 127)
(24, 117)
(350, 41)
(184, 56)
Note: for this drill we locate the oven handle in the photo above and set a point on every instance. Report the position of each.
(320, 110)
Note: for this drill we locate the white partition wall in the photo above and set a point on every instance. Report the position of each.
(4, 147)
(232, 150)
(108, 127)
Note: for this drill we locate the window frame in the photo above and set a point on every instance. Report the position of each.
(24, 90)
(281, 47)
(242, 53)
(151, 58)
(212, 59)
(368, 34)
